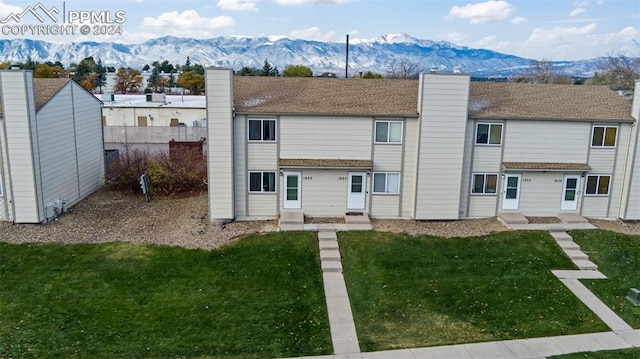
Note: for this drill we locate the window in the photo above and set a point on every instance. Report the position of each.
(386, 182)
(388, 132)
(598, 185)
(262, 130)
(262, 182)
(484, 183)
(604, 136)
(489, 134)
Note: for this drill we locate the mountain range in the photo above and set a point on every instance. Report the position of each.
(236, 52)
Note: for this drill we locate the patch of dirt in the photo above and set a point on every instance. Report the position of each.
(544, 220)
(632, 228)
(318, 220)
(447, 229)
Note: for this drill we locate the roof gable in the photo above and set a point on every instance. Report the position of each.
(45, 88)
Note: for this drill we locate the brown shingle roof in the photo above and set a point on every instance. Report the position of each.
(546, 166)
(387, 97)
(318, 96)
(324, 163)
(548, 102)
(45, 89)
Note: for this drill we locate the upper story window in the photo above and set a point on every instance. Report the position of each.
(262, 130)
(388, 132)
(489, 134)
(604, 136)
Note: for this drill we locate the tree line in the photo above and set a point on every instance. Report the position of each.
(619, 72)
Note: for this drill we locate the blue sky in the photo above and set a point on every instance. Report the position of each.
(539, 29)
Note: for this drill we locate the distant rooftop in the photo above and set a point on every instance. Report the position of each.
(186, 101)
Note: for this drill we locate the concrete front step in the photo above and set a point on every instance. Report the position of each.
(331, 266)
(585, 264)
(328, 244)
(357, 219)
(291, 217)
(572, 218)
(327, 235)
(561, 236)
(329, 255)
(576, 254)
(568, 245)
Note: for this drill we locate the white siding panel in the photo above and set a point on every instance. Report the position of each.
(618, 193)
(263, 205)
(482, 206)
(408, 175)
(443, 126)
(4, 200)
(546, 141)
(325, 137)
(387, 158)
(385, 206)
(324, 192)
(240, 161)
(541, 193)
(466, 169)
(219, 92)
(602, 160)
(18, 113)
(487, 159)
(262, 156)
(595, 206)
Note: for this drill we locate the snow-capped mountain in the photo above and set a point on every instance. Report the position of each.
(236, 52)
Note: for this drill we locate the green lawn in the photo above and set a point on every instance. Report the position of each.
(633, 353)
(260, 297)
(618, 257)
(427, 291)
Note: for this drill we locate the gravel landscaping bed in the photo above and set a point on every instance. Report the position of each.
(108, 216)
(544, 220)
(318, 220)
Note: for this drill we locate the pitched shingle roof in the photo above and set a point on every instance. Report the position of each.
(386, 97)
(44, 89)
(548, 166)
(318, 96)
(337, 163)
(490, 100)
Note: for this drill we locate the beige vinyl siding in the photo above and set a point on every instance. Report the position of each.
(547, 141)
(541, 193)
(385, 205)
(486, 159)
(325, 137)
(324, 192)
(387, 158)
(19, 114)
(483, 205)
(408, 175)
(263, 204)
(4, 213)
(442, 135)
(219, 92)
(466, 170)
(602, 160)
(240, 161)
(633, 203)
(595, 206)
(630, 207)
(262, 156)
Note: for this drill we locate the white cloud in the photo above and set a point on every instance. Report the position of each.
(457, 38)
(6, 9)
(519, 20)
(238, 5)
(577, 11)
(483, 12)
(310, 2)
(581, 3)
(187, 23)
(312, 33)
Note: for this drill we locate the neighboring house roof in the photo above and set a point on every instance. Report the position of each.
(490, 100)
(44, 89)
(546, 166)
(387, 97)
(325, 96)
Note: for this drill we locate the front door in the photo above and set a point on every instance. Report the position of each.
(357, 190)
(570, 190)
(292, 190)
(511, 195)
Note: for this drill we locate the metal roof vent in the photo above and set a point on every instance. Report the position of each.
(433, 69)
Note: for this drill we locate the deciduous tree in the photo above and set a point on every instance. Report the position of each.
(192, 81)
(127, 80)
(402, 69)
(297, 71)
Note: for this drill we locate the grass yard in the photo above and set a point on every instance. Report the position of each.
(632, 353)
(259, 297)
(618, 257)
(414, 292)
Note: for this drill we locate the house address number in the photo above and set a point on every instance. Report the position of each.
(526, 180)
(307, 178)
(342, 178)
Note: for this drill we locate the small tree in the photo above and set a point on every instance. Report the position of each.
(127, 80)
(249, 71)
(620, 73)
(402, 69)
(192, 81)
(297, 71)
(371, 75)
(268, 70)
(47, 71)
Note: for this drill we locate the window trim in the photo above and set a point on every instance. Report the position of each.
(586, 185)
(262, 173)
(490, 124)
(484, 186)
(262, 120)
(387, 142)
(386, 183)
(604, 136)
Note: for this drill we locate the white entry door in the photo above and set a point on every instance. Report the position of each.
(511, 195)
(570, 191)
(357, 190)
(292, 190)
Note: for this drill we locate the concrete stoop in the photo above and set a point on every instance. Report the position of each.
(572, 218)
(291, 221)
(512, 218)
(572, 250)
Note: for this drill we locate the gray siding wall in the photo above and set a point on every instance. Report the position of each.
(219, 92)
(443, 120)
(89, 140)
(19, 114)
(240, 161)
(486, 159)
(630, 207)
(541, 193)
(386, 158)
(324, 192)
(325, 137)
(408, 175)
(545, 141)
(4, 213)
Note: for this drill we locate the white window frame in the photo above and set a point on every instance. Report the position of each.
(388, 141)
(484, 184)
(604, 136)
(599, 177)
(490, 124)
(386, 183)
(262, 121)
(262, 190)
